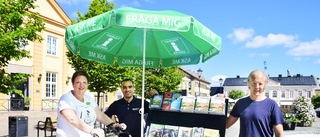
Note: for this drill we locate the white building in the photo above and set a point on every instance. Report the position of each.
(281, 89)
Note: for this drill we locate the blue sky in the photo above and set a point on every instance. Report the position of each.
(285, 33)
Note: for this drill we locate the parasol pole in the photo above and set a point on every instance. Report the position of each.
(143, 72)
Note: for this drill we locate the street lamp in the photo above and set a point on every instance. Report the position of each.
(199, 72)
(220, 81)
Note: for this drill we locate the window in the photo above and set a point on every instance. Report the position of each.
(283, 94)
(118, 95)
(23, 42)
(308, 94)
(51, 84)
(106, 97)
(291, 94)
(274, 94)
(267, 93)
(299, 93)
(52, 46)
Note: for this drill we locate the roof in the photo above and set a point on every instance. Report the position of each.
(294, 80)
(215, 90)
(193, 76)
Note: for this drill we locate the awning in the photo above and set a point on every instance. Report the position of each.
(285, 103)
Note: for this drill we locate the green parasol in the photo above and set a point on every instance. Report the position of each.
(141, 38)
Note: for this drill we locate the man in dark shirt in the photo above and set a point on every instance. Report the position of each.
(127, 109)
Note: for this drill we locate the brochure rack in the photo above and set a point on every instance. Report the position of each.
(186, 119)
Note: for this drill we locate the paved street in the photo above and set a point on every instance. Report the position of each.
(313, 131)
(35, 116)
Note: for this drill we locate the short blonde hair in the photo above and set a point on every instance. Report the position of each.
(254, 73)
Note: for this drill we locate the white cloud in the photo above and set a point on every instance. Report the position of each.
(215, 80)
(252, 55)
(74, 15)
(241, 34)
(317, 62)
(136, 4)
(298, 58)
(306, 49)
(72, 2)
(150, 1)
(272, 40)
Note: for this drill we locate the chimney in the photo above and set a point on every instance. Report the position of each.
(288, 72)
(280, 77)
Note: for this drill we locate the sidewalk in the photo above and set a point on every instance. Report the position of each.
(33, 118)
(313, 131)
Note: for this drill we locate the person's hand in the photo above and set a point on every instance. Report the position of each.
(152, 93)
(99, 132)
(122, 126)
(221, 95)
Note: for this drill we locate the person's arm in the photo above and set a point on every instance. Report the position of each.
(278, 129)
(231, 120)
(71, 116)
(103, 118)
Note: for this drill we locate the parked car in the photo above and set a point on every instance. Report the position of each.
(318, 112)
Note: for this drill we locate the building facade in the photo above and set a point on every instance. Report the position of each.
(281, 89)
(49, 64)
(191, 81)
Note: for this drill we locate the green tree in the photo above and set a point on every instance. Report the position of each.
(161, 79)
(17, 27)
(315, 100)
(103, 77)
(235, 94)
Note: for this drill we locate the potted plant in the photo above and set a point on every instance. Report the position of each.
(303, 110)
(27, 103)
(290, 121)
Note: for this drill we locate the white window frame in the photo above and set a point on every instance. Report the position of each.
(274, 94)
(267, 93)
(52, 46)
(106, 97)
(119, 94)
(51, 84)
(300, 93)
(290, 94)
(308, 94)
(21, 45)
(283, 94)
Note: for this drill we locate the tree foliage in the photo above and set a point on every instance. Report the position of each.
(103, 77)
(315, 100)
(161, 79)
(17, 26)
(235, 94)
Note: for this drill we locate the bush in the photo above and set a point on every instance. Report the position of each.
(303, 110)
(315, 100)
(289, 118)
(235, 94)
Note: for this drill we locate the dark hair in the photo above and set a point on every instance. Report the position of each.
(127, 80)
(79, 73)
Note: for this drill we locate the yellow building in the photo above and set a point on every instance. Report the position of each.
(48, 64)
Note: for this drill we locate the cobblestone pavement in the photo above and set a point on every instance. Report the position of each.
(37, 115)
(313, 131)
(33, 118)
